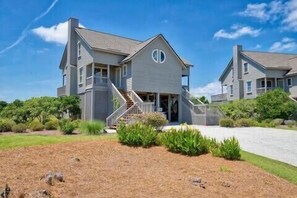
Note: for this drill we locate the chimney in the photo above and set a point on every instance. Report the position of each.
(72, 42)
(237, 66)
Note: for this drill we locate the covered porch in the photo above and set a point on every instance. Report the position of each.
(266, 84)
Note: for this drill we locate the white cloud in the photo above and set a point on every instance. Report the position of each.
(256, 10)
(286, 44)
(26, 30)
(258, 46)
(238, 31)
(55, 34)
(208, 90)
(41, 51)
(290, 16)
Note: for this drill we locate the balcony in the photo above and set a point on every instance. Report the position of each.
(96, 81)
(219, 97)
(261, 90)
(61, 91)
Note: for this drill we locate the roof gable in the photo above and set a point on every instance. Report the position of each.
(226, 69)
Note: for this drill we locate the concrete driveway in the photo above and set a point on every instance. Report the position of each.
(278, 144)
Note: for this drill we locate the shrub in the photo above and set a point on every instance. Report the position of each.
(237, 109)
(214, 147)
(66, 126)
(154, 119)
(245, 122)
(137, 134)
(290, 122)
(36, 126)
(51, 125)
(6, 125)
(230, 149)
(76, 123)
(278, 121)
(19, 128)
(91, 127)
(226, 122)
(187, 142)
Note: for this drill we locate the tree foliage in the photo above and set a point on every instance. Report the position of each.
(41, 108)
(237, 109)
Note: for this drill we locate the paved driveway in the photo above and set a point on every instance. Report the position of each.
(276, 144)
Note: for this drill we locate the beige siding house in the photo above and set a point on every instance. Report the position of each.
(116, 76)
(250, 74)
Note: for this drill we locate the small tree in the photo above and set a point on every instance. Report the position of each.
(275, 104)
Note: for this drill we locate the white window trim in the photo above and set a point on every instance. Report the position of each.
(247, 71)
(247, 87)
(125, 70)
(231, 93)
(288, 82)
(161, 51)
(156, 61)
(80, 75)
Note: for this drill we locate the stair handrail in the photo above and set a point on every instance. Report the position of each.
(144, 106)
(127, 111)
(111, 119)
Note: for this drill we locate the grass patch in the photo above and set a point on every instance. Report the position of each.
(23, 140)
(283, 170)
(293, 128)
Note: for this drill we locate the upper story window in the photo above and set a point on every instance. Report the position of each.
(158, 56)
(78, 49)
(80, 81)
(162, 56)
(231, 90)
(289, 82)
(125, 70)
(155, 55)
(249, 87)
(245, 68)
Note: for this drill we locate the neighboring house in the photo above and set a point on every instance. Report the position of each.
(115, 76)
(249, 74)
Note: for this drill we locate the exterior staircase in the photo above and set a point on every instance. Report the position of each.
(129, 101)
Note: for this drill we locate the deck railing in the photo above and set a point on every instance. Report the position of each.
(144, 106)
(113, 118)
(219, 97)
(96, 81)
(61, 91)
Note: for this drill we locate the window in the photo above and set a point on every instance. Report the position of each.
(155, 55)
(162, 56)
(289, 82)
(249, 87)
(245, 68)
(269, 83)
(78, 49)
(81, 75)
(125, 70)
(231, 90)
(64, 80)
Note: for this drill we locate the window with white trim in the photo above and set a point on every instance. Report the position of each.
(162, 56)
(125, 70)
(289, 82)
(245, 68)
(231, 90)
(80, 75)
(249, 87)
(155, 55)
(78, 49)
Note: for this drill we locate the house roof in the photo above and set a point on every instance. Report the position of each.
(293, 64)
(270, 60)
(116, 44)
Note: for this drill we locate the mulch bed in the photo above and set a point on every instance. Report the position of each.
(108, 169)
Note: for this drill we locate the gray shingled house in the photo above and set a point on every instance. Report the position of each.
(250, 73)
(115, 77)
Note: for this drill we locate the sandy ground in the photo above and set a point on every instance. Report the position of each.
(108, 169)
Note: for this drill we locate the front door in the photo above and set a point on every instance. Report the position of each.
(118, 77)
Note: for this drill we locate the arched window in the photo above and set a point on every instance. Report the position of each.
(155, 55)
(162, 56)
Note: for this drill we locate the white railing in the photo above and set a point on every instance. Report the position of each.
(133, 110)
(89, 80)
(262, 89)
(113, 118)
(96, 81)
(197, 108)
(144, 106)
(219, 97)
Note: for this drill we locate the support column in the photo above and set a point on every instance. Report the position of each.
(169, 108)
(93, 73)
(158, 101)
(222, 88)
(265, 84)
(108, 71)
(275, 82)
(180, 117)
(188, 83)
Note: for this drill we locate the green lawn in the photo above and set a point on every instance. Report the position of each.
(24, 140)
(283, 170)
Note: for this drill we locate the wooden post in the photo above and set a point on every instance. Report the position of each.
(158, 101)
(169, 108)
(108, 71)
(93, 73)
(265, 84)
(275, 82)
(188, 83)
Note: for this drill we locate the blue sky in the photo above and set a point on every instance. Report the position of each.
(33, 35)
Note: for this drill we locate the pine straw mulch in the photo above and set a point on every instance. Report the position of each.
(108, 169)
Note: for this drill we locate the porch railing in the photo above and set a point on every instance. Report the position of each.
(261, 90)
(96, 81)
(61, 91)
(144, 106)
(113, 118)
(219, 97)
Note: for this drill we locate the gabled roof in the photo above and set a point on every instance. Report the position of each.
(293, 64)
(118, 44)
(63, 59)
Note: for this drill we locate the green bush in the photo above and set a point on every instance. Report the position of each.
(6, 125)
(19, 128)
(278, 121)
(214, 147)
(245, 122)
(290, 122)
(230, 149)
(66, 126)
(76, 123)
(226, 122)
(154, 119)
(188, 142)
(91, 127)
(51, 125)
(36, 126)
(237, 109)
(137, 134)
